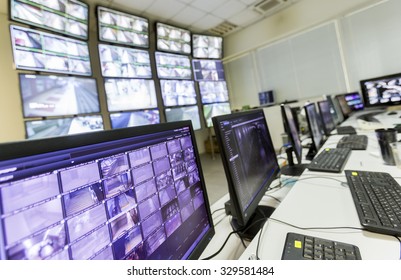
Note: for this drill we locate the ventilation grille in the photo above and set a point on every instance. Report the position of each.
(269, 6)
(223, 28)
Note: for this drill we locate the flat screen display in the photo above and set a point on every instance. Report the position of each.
(120, 62)
(173, 66)
(127, 194)
(212, 92)
(178, 92)
(173, 39)
(65, 126)
(47, 95)
(382, 91)
(315, 125)
(69, 17)
(266, 98)
(354, 101)
(137, 118)
(184, 113)
(208, 70)
(326, 117)
(122, 28)
(207, 46)
(40, 51)
(130, 94)
(213, 110)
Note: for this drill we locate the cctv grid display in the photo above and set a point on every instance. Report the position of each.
(135, 201)
(207, 46)
(173, 39)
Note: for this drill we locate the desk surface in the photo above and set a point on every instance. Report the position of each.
(317, 200)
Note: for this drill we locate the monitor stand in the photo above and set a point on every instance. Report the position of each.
(311, 152)
(292, 169)
(255, 223)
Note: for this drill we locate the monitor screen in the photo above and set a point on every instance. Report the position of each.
(120, 62)
(327, 118)
(133, 193)
(137, 118)
(345, 108)
(173, 66)
(213, 110)
(66, 126)
(46, 96)
(40, 51)
(173, 39)
(178, 92)
(208, 70)
(354, 101)
(184, 113)
(130, 94)
(382, 91)
(266, 98)
(122, 28)
(69, 17)
(290, 126)
(314, 124)
(207, 46)
(212, 92)
(248, 158)
(335, 110)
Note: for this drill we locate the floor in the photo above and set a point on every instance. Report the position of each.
(215, 178)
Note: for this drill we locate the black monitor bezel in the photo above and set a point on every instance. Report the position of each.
(321, 112)
(317, 146)
(204, 35)
(241, 216)
(178, 28)
(365, 94)
(18, 149)
(293, 141)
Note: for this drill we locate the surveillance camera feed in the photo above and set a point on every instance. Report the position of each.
(122, 28)
(130, 94)
(212, 92)
(178, 92)
(213, 110)
(173, 39)
(40, 51)
(137, 118)
(208, 70)
(207, 46)
(46, 96)
(128, 195)
(120, 62)
(68, 17)
(173, 66)
(59, 127)
(382, 90)
(184, 113)
(354, 101)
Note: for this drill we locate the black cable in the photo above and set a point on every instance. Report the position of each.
(314, 228)
(220, 209)
(318, 177)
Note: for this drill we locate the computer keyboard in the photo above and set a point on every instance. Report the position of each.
(354, 142)
(345, 130)
(303, 247)
(377, 198)
(330, 160)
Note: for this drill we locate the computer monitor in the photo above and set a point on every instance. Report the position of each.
(134, 193)
(354, 101)
(250, 165)
(205, 46)
(208, 70)
(315, 129)
(381, 91)
(345, 108)
(184, 113)
(326, 117)
(173, 66)
(215, 109)
(266, 98)
(335, 109)
(178, 92)
(290, 127)
(173, 39)
(137, 118)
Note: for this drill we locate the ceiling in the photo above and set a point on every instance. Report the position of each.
(219, 17)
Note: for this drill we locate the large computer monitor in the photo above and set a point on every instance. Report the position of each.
(326, 117)
(250, 165)
(315, 129)
(354, 101)
(134, 193)
(381, 91)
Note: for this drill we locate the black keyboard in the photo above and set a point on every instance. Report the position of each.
(345, 130)
(330, 160)
(303, 247)
(377, 198)
(354, 142)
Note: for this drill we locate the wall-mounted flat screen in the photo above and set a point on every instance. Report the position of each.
(173, 66)
(66, 126)
(137, 118)
(207, 46)
(213, 110)
(212, 92)
(122, 28)
(120, 62)
(41, 51)
(173, 39)
(69, 17)
(178, 92)
(382, 91)
(130, 94)
(184, 113)
(208, 70)
(49, 95)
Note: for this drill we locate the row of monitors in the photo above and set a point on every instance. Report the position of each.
(71, 18)
(66, 126)
(49, 96)
(40, 51)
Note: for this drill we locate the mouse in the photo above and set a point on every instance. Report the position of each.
(392, 113)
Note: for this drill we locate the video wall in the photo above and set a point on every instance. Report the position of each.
(60, 96)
